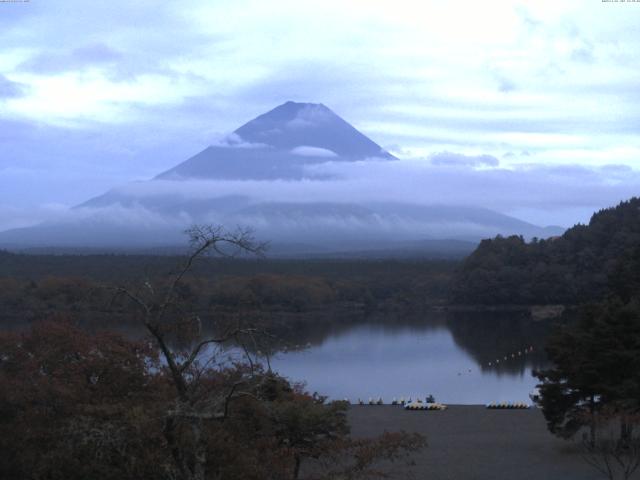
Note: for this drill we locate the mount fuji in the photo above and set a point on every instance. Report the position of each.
(262, 176)
(279, 144)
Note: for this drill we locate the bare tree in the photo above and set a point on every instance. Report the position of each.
(299, 426)
(162, 313)
(615, 452)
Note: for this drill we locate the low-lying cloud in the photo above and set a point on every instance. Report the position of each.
(540, 194)
(10, 89)
(306, 151)
(457, 159)
(554, 193)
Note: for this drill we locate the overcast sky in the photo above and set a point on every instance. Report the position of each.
(537, 104)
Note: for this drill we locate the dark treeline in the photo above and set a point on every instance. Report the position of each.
(579, 266)
(109, 267)
(591, 385)
(593, 382)
(37, 287)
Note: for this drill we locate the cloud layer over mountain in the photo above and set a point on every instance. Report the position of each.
(545, 195)
(550, 194)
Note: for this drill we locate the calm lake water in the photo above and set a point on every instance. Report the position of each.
(453, 358)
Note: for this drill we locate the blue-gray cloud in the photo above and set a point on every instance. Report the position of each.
(77, 59)
(544, 195)
(456, 159)
(9, 89)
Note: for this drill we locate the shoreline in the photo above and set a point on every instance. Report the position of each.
(536, 312)
(471, 442)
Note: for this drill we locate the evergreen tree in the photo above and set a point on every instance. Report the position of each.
(577, 267)
(596, 364)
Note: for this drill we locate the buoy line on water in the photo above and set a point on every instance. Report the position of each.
(511, 356)
(431, 404)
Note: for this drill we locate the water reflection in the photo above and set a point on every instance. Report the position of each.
(392, 354)
(445, 355)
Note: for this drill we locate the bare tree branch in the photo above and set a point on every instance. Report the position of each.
(186, 374)
(196, 350)
(137, 300)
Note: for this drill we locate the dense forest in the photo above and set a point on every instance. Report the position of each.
(590, 386)
(579, 266)
(274, 292)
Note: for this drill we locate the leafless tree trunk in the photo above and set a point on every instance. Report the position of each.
(190, 409)
(614, 455)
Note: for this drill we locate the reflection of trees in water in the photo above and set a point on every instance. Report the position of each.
(315, 329)
(276, 331)
(488, 337)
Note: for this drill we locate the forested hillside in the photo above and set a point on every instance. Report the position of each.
(581, 265)
(79, 287)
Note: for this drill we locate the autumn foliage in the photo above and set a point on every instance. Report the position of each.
(75, 405)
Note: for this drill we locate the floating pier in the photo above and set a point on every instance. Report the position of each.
(425, 406)
(508, 405)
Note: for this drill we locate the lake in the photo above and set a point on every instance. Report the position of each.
(459, 358)
(464, 359)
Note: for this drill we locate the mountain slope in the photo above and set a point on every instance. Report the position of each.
(293, 124)
(278, 144)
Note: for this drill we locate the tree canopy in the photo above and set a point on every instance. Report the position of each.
(75, 405)
(595, 363)
(577, 267)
